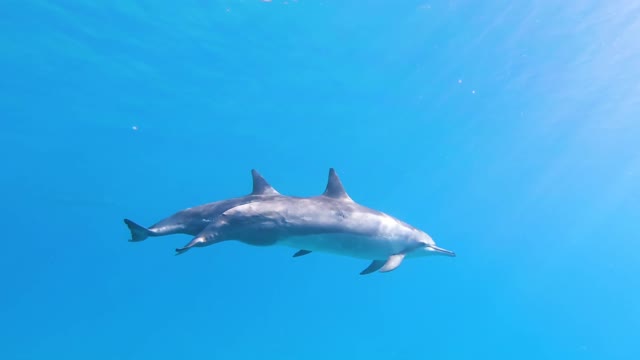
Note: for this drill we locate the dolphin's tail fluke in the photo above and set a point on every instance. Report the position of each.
(138, 232)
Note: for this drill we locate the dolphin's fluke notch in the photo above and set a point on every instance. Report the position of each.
(334, 189)
(138, 232)
(373, 267)
(301, 253)
(261, 186)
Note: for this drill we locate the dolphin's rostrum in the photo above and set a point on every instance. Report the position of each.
(331, 223)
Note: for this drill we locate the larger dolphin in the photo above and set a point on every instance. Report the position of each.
(331, 222)
(192, 221)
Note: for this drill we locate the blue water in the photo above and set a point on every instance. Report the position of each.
(509, 131)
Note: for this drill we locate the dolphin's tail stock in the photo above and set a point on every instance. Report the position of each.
(138, 232)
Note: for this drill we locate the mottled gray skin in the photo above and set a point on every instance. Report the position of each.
(286, 217)
(331, 223)
(192, 221)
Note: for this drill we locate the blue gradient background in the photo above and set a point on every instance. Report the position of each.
(509, 131)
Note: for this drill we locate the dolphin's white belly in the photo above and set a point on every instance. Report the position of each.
(357, 246)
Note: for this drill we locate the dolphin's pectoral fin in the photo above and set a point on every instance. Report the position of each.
(197, 241)
(396, 259)
(393, 262)
(373, 267)
(138, 232)
(302, 253)
(206, 237)
(203, 239)
(182, 250)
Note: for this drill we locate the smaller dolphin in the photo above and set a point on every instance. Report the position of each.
(192, 221)
(331, 222)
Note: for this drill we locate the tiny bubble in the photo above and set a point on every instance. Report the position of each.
(459, 81)
(473, 92)
(134, 128)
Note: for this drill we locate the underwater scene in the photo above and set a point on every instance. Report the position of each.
(293, 179)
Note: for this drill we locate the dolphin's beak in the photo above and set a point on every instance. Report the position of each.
(442, 251)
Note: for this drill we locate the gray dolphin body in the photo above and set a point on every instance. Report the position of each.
(331, 222)
(192, 221)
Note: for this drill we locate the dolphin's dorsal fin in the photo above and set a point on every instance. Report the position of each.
(334, 189)
(261, 186)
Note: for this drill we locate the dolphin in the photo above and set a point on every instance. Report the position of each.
(192, 221)
(330, 223)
